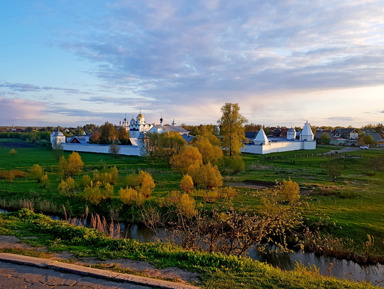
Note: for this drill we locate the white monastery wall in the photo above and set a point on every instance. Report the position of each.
(283, 146)
(127, 150)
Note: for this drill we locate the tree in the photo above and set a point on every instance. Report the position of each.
(231, 128)
(206, 176)
(130, 196)
(95, 138)
(186, 183)
(66, 187)
(75, 164)
(114, 150)
(211, 153)
(163, 145)
(142, 182)
(108, 133)
(188, 156)
(123, 136)
(289, 191)
(72, 166)
(186, 206)
(368, 139)
(36, 172)
(325, 138)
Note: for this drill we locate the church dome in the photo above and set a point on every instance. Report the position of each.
(140, 117)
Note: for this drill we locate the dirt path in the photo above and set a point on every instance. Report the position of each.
(142, 268)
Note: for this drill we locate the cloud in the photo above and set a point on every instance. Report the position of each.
(17, 110)
(26, 87)
(177, 48)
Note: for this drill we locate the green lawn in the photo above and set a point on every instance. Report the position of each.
(354, 203)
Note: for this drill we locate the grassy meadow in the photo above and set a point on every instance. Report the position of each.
(215, 270)
(352, 207)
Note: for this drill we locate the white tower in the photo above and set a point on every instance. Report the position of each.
(261, 138)
(291, 134)
(306, 133)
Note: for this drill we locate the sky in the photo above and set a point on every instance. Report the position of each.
(74, 62)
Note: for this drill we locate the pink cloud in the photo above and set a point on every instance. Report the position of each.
(15, 110)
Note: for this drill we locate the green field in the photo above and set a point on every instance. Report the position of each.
(352, 207)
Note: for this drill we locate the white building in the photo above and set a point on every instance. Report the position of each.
(160, 128)
(57, 138)
(136, 127)
(262, 145)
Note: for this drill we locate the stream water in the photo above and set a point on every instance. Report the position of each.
(287, 261)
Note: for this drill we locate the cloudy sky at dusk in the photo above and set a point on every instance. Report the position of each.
(74, 62)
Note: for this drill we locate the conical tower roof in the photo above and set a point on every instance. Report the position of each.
(306, 133)
(261, 138)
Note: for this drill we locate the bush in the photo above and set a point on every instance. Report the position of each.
(186, 183)
(36, 172)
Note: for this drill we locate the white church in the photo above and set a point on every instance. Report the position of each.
(262, 145)
(136, 127)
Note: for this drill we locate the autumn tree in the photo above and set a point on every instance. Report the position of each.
(209, 148)
(187, 157)
(108, 133)
(163, 145)
(186, 183)
(123, 136)
(36, 172)
(130, 196)
(72, 166)
(67, 186)
(95, 138)
(206, 176)
(288, 191)
(186, 206)
(231, 128)
(75, 164)
(143, 183)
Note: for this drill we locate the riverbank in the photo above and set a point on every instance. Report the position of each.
(48, 237)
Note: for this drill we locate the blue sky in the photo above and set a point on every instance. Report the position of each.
(72, 62)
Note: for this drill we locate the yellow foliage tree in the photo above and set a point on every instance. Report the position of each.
(63, 164)
(86, 181)
(289, 191)
(188, 156)
(114, 174)
(186, 206)
(142, 182)
(147, 184)
(93, 193)
(66, 187)
(75, 164)
(186, 183)
(130, 196)
(210, 153)
(207, 176)
(36, 172)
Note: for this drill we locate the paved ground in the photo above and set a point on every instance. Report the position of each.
(14, 276)
(17, 271)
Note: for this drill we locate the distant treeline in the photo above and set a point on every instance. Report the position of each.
(33, 136)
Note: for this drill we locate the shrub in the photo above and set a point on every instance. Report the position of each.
(36, 172)
(186, 183)
(186, 206)
(130, 196)
(86, 181)
(289, 191)
(66, 187)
